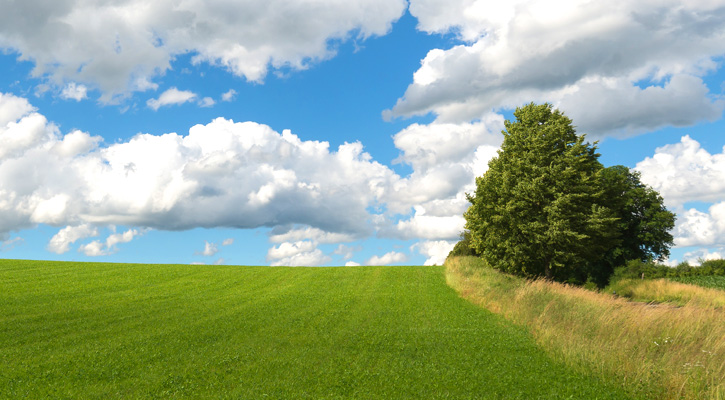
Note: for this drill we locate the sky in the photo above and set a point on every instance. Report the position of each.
(330, 132)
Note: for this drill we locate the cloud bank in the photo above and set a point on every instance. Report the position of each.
(123, 46)
(609, 65)
(240, 175)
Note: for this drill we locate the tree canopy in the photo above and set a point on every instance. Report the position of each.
(548, 207)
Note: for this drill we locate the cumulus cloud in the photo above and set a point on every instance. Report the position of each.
(436, 251)
(240, 175)
(209, 249)
(684, 171)
(445, 158)
(295, 254)
(222, 174)
(429, 226)
(695, 257)
(130, 42)
(172, 96)
(618, 108)
(229, 95)
(73, 91)
(611, 63)
(10, 244)
(697, 228)
(206, 102)
(61, 241)
(352, 264)
(286, 233)
(392, 257)
(228, 242)
(97, 248)
(346, 252)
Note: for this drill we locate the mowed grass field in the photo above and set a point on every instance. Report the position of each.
(82, 330)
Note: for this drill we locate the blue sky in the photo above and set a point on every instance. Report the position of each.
(332, 133)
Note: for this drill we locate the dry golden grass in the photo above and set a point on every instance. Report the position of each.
(663, 290)
(653, 350)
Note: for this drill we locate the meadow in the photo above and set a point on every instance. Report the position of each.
(656, 338)
(92, 330)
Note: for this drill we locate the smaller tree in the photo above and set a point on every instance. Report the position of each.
(463, 247)
(643, 222)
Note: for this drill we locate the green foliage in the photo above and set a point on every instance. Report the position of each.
(643, 222)
(463, 247)
(547, 207)
(111, 331)
(712, 281)
(538, 210)
(638, 269)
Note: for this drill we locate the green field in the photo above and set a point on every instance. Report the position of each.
(715, 282)
(74, 330)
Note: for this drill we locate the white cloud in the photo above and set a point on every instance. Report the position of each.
(435, 251)
(73, 91)
(697, 228)
(623, 67)
(285, 234)
(61, 241)
(617, 107)
(346, 252)
(301, 253)
(229, 95)
(222, 174)
(288, 249)
(244, 175)
(228, 242)
(172, 96)
(94, 249)
(445, 158)
(209, 249)
(685, 172)
(694, 257)
(352, 264)
(206, 102)
(122, 46)
(429, 227)
(9, 244)
(429, 146)
(392, 257)
(97, 248)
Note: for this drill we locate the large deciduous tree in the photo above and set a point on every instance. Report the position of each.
(547, 207)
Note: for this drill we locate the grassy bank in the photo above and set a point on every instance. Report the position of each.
(73, 330)
(656, 351)
(689, 291)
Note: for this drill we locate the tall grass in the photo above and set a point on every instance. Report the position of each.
(657, 351)
(667, 291)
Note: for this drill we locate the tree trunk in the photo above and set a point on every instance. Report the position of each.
(547, 271)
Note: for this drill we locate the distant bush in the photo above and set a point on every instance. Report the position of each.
(463, 247)
(637, 269)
